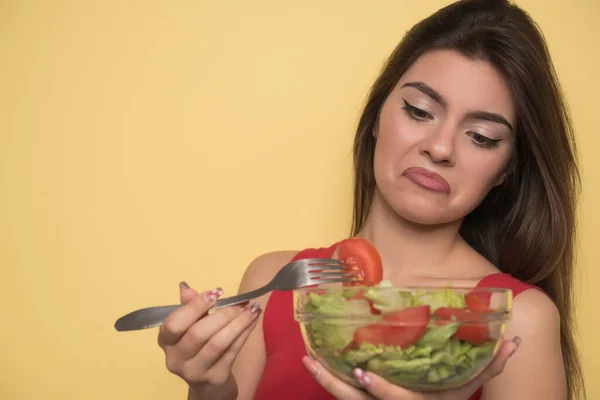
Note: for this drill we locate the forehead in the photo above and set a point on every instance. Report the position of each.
(466, 84)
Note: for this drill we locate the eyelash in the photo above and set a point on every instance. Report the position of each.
(484, 141)
(411, 110)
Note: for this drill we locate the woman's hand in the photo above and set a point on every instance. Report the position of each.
(378, 388)
(201, 348)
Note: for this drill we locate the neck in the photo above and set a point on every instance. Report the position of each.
(409, 249)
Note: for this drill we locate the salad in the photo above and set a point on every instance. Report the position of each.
(408, 337)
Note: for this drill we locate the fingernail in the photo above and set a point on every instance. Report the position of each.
(183, 285)
(362, 377)
(517, 342)
(254, 308)
(213, 295)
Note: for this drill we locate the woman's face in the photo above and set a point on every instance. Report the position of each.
(444, 138)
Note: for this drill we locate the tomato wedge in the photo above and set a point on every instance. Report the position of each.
(478, 302)
(402, 328)
(363, 261)
(472, 332)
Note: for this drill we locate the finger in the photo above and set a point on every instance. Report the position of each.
(201, 331)
(335, 386)
(178, 322)
(222, 367)
(381, 388)
(229, 357)
(186, 294)
(507, 350)
(222, 340)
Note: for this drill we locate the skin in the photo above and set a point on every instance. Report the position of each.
(443, 137)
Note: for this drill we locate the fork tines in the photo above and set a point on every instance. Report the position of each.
(324, 264)
(331, 273)
(326, 270)
(326, 261)
(337, 279)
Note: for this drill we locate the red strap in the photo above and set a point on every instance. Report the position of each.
(502, 280)
(324, 252)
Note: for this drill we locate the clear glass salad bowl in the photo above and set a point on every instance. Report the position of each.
(419, 338)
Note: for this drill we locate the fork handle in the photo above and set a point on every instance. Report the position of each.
(150, 317)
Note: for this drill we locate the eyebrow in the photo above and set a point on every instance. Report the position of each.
(438, 98)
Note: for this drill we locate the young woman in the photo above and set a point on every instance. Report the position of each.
(465, 172)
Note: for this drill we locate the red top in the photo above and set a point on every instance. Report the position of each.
(284, 371)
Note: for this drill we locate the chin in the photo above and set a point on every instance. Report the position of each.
(422, 210)
(422, 215)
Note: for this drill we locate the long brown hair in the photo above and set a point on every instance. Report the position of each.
(527, 225)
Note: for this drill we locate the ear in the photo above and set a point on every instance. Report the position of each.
(510, 168)
(501, 179)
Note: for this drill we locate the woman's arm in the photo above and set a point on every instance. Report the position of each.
(536, 371)
(249, 362)
(248, 366)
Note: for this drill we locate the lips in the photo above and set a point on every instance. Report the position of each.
(427, 179)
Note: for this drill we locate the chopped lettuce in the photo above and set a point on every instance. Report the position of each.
(332, 304)
(438, 336)
(363, 354)
(420, 363)
(334, 333)
(385, 298)
(330, 335)
(447, 298)
(436, 358)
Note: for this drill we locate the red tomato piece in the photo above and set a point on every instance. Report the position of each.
(478, 301)
(472, 332)
(403, 328)
(363, 261)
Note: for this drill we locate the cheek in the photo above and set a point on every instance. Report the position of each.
(478, 177)
(395, 138)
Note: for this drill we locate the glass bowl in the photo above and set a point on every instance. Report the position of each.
(420, 338)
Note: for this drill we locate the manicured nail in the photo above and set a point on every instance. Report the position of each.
(183, 285)
(362, 377)
(254, 308)
(517, 342)
(213, 295)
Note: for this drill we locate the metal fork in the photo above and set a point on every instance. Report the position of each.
(294, 275)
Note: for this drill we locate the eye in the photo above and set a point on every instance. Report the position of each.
(483, 141)
(416, 113)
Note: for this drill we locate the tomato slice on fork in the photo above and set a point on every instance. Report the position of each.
(362, 260)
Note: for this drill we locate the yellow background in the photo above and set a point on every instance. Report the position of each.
(146, 142)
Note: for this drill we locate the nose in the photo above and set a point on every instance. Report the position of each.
(439, 145)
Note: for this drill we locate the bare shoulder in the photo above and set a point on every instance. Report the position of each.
(536, 370)
(535, 312)
(263, 268)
